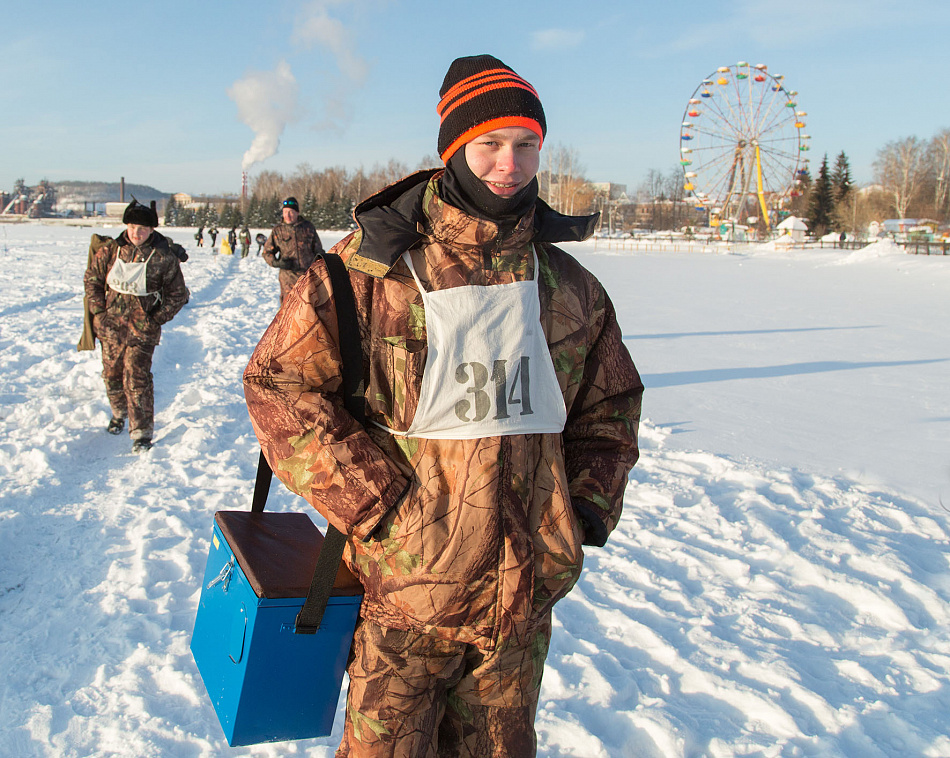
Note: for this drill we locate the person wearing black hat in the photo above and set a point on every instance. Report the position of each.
(133, 285)
(501, 424)
(292, 246)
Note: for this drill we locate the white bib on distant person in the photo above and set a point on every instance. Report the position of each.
(129, 278)
(488, 371)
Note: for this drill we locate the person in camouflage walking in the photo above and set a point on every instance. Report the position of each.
(502, 411)
(133, 285)
(292, 246)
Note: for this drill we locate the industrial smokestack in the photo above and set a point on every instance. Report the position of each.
(122, 190)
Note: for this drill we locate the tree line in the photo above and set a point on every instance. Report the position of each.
(911, 178)
(326, 197)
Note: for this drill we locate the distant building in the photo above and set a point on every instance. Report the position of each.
(611, 191)
(907, 225)
(115, 210)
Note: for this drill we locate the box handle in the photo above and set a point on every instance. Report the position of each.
(224, 576)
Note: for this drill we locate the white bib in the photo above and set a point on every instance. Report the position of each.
(488, 371)
(129, 278)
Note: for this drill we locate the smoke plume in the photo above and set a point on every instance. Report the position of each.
(267, 102)
(315, 27)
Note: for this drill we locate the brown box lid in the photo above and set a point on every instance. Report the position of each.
(278, 552)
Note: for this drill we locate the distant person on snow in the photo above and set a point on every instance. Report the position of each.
(232, 240)
(213, 233)
(200, 236)
(292, 246)
(133, 285)
(260, 239)
(245, 238)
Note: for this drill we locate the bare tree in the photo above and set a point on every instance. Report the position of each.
(428, 161)
(901, 169)
(939, 159)
(267, 184)
(651, 191)
(673, 189)
(561, 180)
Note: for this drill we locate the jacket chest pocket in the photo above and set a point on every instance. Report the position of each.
(403, 369)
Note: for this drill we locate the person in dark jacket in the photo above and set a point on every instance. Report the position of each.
(501, 409)
(133, 286)
(260, 239)
(292, 246)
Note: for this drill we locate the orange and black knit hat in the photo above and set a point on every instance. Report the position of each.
(479, 94)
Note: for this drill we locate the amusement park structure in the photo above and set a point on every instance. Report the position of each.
(743, 145)
(33, 202)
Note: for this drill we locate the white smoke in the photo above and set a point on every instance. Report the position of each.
(267, 102)
(316, 27)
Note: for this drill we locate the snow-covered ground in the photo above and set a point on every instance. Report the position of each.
(778, 585)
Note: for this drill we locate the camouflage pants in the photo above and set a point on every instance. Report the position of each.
(287, 281)
(415, 696)
(127, 371)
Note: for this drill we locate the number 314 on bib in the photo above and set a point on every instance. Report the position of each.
(493, 390)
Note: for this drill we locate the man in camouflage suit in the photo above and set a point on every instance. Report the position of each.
(502, 411)
(133, 285)
(292, 246)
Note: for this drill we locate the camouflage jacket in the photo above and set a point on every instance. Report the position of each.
(298, 243)
(468, 540)
(135, 319)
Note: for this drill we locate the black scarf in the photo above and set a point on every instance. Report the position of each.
(465, 191)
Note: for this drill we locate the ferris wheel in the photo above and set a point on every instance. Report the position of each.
(743, 145)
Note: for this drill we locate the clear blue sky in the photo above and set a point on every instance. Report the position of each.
(95, 91)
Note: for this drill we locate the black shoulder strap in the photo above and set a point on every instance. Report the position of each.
(351, 353)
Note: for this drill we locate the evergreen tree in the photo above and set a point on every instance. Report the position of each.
(343, 214)
(274, 210)
(230, 216)
(821, 209)
(253, 211)
(841, 178)
(171, 212)
(335, 213)
(843, 190)
(309, 206)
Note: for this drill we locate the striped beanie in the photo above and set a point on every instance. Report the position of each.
(479, 94)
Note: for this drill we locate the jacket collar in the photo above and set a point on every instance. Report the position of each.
(407, 212)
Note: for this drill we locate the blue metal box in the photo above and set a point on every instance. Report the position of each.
(267, 683)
